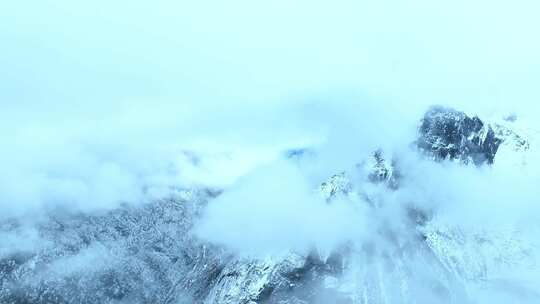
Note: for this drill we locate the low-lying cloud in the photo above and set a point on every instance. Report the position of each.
(275, 209)
(100, 104)
(108, 103)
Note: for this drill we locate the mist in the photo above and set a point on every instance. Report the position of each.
(92, 83)
(111, 104)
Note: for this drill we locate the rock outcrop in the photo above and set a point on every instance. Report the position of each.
(450, 134)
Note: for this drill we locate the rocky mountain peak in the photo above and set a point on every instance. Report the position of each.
(447, 134)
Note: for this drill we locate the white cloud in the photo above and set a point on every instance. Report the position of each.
(109, 101)
(274, 209)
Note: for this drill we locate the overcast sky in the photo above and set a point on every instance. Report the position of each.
(103, 102)
(114, 91)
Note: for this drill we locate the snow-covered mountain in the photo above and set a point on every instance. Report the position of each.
(149, 253)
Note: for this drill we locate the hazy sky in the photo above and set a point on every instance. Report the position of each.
(95, 55)
(104, 96)
(103, 102)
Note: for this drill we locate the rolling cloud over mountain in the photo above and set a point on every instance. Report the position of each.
(279, 152)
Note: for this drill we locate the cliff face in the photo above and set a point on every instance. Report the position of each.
(147, 254)
(449, 134)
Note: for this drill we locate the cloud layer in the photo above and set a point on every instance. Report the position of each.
(111, 90)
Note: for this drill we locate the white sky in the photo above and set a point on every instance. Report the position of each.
(118, 88)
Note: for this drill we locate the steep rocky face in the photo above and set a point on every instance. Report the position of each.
(146, 254)
(383, 170)
(449, 134)
(133, 254)
(292, 278)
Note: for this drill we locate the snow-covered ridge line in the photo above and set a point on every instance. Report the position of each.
(148, 254)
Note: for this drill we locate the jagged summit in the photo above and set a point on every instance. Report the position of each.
(445, 133)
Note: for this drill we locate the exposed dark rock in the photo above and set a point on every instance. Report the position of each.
(449, 134)
(132, 254)
(383, 170)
